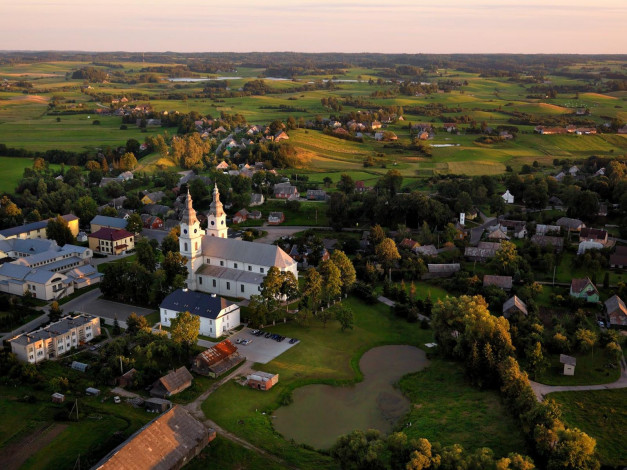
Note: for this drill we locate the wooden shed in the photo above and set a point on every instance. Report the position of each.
(58, 398)
(569, 364)
(261, 380)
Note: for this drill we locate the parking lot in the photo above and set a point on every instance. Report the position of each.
(261, 349)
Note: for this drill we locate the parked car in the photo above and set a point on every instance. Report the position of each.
(117, 400)
(293, 340)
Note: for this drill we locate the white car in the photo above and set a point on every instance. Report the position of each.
(117, 400)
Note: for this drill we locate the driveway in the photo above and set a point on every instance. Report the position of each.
(261, 350)
(90, 303)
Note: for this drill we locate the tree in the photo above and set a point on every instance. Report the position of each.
(109, 212)
(376, 235)
(387, 254)
(506, 259)
(86, 209)
(574, 450)
(332, 280)
(184, 329)
(271, 289)
(134, 224)
(116, 326)
(392, 181)
(535, 359)
(312, 289)
(145, 254)
(171, 241)
(337, 210)
(497, 204)
(135, 323)
(127, 161)
(347, 270)
(59, 231)
(59, 384)
(174, 266)
(55, 311)
(344, 315)
(360, 450)
(586, 339)
(346, 184)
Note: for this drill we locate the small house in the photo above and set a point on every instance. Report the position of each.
(217, 359)
(316, 195)
(256, 199)
(593, 235)
(584, 289)
(157, 405)
(172, 383)
(240, 216)
(482, 252)
(261, 380)
(58, 398)
(504, 282)
(153, 198)
(513, 306)
(79, 366)
(556, 243)
(276, 218)
(425, 250)
(408, 244)
(255, 215)
(92, 391)
(616, 311)
(508, 197)
(441, 270)
(618, 259)
(285, 191)
(222, 166)
(569, 364)
(497, 233)
(572, 225)
(126, 379)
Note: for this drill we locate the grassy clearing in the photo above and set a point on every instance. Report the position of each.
(601, 414)
(226, 455)
(12, 170)
(589, 371)
(326, 355)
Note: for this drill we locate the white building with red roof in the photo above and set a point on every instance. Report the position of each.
(110, 241)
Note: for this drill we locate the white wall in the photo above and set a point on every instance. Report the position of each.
(228, 319)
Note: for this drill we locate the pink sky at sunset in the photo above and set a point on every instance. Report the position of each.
(464, 26)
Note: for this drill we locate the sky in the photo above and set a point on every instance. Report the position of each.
(388, 26)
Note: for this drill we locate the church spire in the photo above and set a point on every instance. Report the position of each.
(189, 214)
(216, 205)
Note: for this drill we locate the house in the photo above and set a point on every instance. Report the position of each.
(593, 235)
(317, 195)
(482, 252)
(153, 198)
(572, 225)
(240, 216)
(37, 229)
(256, 199)
(171, 384)
(102, 221)
(285, 191)
(602, 212)
(151, 221)
(55, 339)
(542, 229)
(157, 405)
(218, 359)
(557, 243)
(616, 311)
(508, 197)
(588, 245)
(166, 443)
(57, 397)
(83, 276)
(497, 233)
(569, 364)
(504, 282)
(276, 218)
(517, 228)
(255, 215)
(555, 201)
(155, 209)
(112, 242)
(281, 135)
(81, 237)
(584, 289)
(513, 306)
(618, 259)
(573, 170)
(222, 166)
(217, 315)
(450, 127)
(441, 270)
(425, 250)
(375, 125)
(302, 254)
(126, 379)
(408, 244)
(261, 380)
(125, 176)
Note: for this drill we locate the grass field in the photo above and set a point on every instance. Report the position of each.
(601, 414)
(589, 370)
(326, 355)
(12, 170)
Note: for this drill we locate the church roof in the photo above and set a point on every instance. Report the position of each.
(246, 252)
(189, 214)
(216, 205)
(231, 274)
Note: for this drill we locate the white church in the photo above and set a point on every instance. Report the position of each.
(220, 265)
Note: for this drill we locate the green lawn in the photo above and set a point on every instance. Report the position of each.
(589, 371)
(326, 355)
(12, 170)
(603, 415)
(226, 455)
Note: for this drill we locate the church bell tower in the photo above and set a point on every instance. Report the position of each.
(216, 223)
(190, 241)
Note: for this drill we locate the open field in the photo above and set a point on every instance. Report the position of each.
(326, 355)
(12, 170)
(602, 415)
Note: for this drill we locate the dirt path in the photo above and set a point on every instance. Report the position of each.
(195, 408)
(14, 455)
(541, 390)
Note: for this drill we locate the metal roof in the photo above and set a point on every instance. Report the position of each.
(259, 254)
(114, 222)
(196, 303)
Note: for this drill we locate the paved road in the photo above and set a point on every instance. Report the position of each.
(542, 390)
(477, 232)
(30, 326)
(90, 303)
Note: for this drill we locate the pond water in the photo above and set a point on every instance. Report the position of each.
(322, 413)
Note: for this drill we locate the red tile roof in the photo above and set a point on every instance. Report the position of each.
(111, 234)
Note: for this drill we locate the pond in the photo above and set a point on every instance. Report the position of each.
(320, 414)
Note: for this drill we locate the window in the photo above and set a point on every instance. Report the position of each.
(221, 263)
(212, 222)
(242, 287)
(250, 268)
(261, 270)
(228, 286)
(214, 283)
(196, 246)
(185, 246)
(200, 280)
(222, 222)
(235, 265)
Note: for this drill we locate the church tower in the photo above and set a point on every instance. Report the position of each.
(216, 223)
(190, 241)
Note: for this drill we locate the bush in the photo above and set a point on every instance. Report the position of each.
(123, 127)
(364, 292)
(96, 122)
